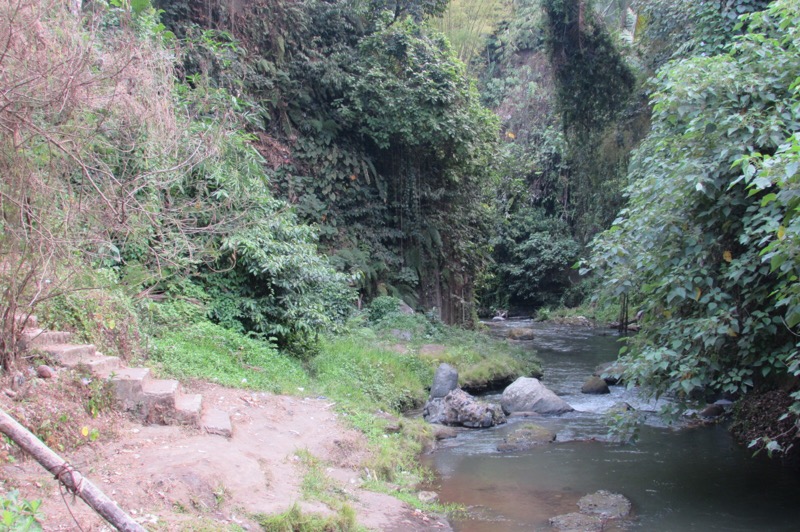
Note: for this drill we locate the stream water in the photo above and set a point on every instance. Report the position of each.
(678, 479)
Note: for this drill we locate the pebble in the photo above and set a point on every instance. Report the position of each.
(45, 372)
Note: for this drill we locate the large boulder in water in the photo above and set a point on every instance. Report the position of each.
(445, 380)
(527, 394)
(460, 408)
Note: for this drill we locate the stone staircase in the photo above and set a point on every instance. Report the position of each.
(154, 401)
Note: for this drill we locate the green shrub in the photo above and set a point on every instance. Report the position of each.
(382, 307)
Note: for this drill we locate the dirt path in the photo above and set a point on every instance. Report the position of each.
(173, 478)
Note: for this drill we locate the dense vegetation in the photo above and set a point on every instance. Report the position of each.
(556, 74)
(373, 129)
(705, 246)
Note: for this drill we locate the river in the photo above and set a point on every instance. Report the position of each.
(678, 478)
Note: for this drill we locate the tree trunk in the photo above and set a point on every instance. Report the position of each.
(69, 477)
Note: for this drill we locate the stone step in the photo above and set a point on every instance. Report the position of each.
(98, 365)
(70, 351)
(188, 407)
(128, 386)
(41, 338)
(158, 401)
(217, 422)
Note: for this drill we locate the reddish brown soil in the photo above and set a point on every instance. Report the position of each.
(178, 478)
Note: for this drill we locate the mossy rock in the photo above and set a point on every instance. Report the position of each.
(526, 437)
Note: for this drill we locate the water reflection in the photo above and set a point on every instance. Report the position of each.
(681, 480)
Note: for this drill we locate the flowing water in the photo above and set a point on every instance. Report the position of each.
(678, 479)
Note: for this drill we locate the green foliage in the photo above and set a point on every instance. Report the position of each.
(671, 29)
(624, 425)
(594, 82)
(105, 316)
(271, 281)
(467, 23)
(692, 246)
(382, 307)
(208, 351)
(533, 256)
(158, 182)
(20, 515)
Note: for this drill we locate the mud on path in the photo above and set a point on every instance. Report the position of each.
(174, 478)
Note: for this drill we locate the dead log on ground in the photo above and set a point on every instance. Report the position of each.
(67, 475)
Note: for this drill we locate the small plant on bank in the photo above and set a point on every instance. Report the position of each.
(100, 396)
(19, 515)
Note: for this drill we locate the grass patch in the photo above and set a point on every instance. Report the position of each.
(363, 378)
(294, 520)
(479, 358)
(601, 311)
(208, 351)
(357, 370)
(316, 484)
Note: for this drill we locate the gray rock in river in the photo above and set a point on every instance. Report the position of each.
(605, 504)
(460, 408)
(527, 394)
(595, 386)
(521, 333)
(577, 522)
(444, 381)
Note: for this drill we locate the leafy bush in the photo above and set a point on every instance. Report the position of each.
(533, 255)
(382, 307)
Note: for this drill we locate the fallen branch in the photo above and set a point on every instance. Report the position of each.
(67, 475)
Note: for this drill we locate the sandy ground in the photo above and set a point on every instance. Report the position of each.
(174, 478)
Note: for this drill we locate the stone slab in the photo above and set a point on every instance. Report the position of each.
(217, 422)
(128, 384)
